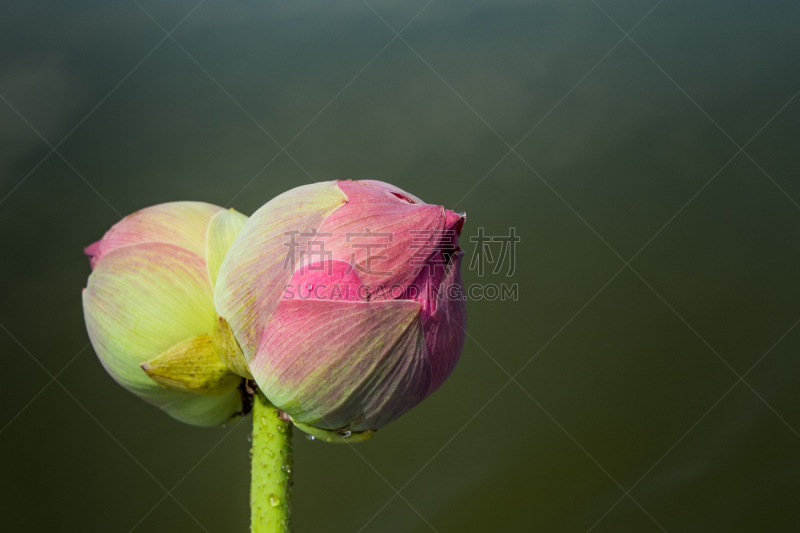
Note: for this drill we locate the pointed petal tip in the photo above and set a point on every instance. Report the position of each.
(92, 248)
(455, 221)
(92, 251)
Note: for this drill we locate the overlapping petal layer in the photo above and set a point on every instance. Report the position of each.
(382, 235)
(341, 364)
(180, 223)
(443, 315)
(261, 262)
(326, 280)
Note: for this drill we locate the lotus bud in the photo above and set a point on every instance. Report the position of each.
(345, 299)
(149, 309)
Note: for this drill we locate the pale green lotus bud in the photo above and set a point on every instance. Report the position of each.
(149, 309)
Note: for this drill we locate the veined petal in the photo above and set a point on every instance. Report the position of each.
(192, 366)
(397, 191)
(443, 316)
(141, 300)
(180, 223)
(340, 364)
(226, 347)
(326, 280)
(222, 231)
(384, 237)
(205, 411)
(263, 258)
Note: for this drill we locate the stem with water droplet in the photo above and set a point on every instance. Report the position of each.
(271, 474)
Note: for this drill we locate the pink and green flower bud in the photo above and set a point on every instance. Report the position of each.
(346, 300)
(149, 309)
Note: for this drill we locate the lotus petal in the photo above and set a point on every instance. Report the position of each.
(261, 262)
(140, 301)
(443, 316)
(181, 223)
(341, 364)
(222, 231)
(397, 191)
(383, 237)
(192, 366)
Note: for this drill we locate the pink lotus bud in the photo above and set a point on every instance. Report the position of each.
(346, 300)
(149, 308)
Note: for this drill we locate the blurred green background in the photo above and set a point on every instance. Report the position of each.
(626, 411)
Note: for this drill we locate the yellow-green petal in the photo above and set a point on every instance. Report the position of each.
(192, 366)
(205, 411)
(227, 349)
(222, 231)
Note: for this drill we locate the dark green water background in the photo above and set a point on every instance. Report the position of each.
(620, 144)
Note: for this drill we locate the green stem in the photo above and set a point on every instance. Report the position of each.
(271, 477)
